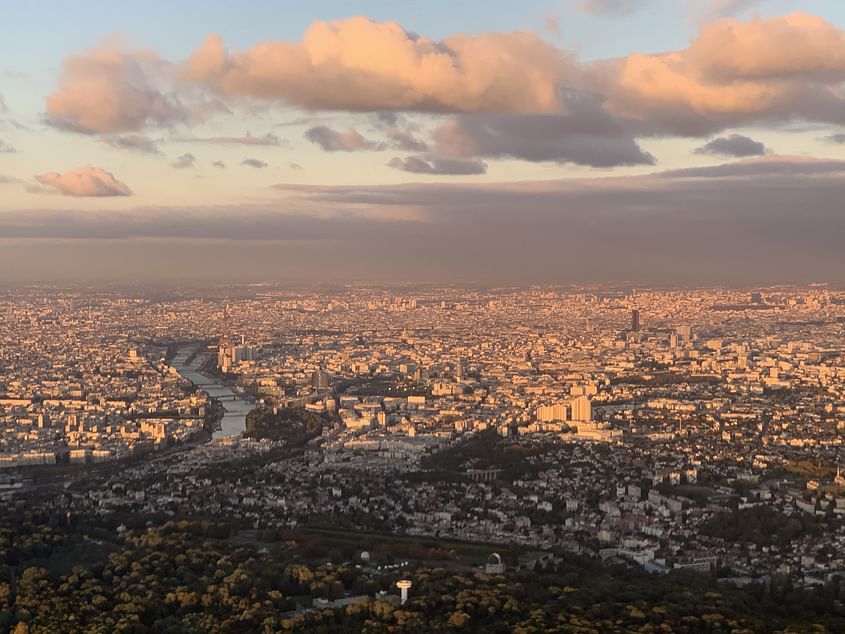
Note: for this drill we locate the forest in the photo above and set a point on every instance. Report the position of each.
(294, 426)
(193, 577)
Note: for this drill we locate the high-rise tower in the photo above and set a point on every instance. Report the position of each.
(226, 347)
(635, 320)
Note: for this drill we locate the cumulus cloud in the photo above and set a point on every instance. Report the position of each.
(133, 142)
(734, 145)
(109, 90)
(360, 64)
(247, 139)
(732, 73)
(85, 181)
(5, 148)
(436, 165)
(185, 161)
(729, 50)
(586, 135)
(253, 162)
(333, 141)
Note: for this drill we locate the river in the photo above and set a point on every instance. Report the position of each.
(235, 408)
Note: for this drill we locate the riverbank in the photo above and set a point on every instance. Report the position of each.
(188, 361)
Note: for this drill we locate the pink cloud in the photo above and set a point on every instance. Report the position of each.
(112, 90)
(85, 181)
(360, 64)
(108, 90)
(733, 73)
(780, 47)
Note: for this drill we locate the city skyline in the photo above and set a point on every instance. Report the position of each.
(337, 459)
(422, 317)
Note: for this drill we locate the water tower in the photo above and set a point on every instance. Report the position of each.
(404, 585)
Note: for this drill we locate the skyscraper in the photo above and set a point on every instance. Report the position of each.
(225, 349)
(635, 320)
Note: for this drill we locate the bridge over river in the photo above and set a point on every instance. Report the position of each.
(235, 408)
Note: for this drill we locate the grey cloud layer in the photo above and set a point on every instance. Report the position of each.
(781, 221)
(585, 135)
(769, 167)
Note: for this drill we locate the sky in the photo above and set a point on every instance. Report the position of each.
(664, 141)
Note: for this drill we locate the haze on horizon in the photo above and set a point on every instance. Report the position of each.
(662, 141)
